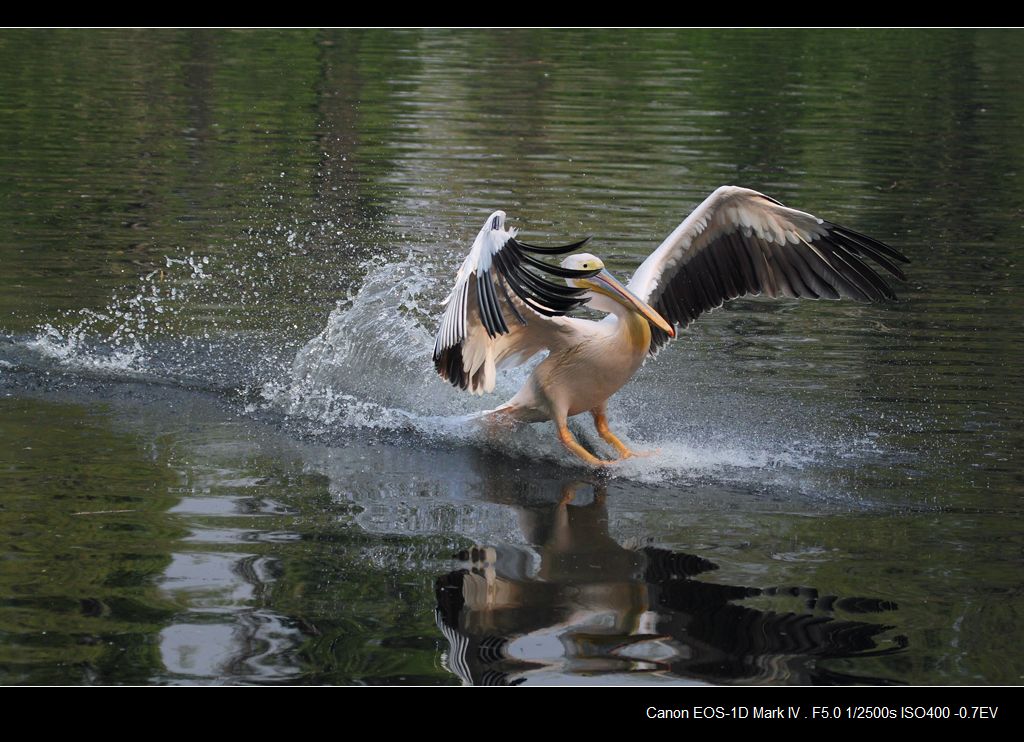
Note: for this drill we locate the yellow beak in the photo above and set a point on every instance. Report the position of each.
(605, 283)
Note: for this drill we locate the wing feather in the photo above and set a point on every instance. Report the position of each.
(740, 242)
(485, 326)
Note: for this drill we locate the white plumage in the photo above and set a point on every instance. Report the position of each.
(503, 310)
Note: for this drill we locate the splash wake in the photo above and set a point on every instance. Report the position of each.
(369, 369)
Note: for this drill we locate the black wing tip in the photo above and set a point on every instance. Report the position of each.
(869, 242)
(858, 247)
(448, 362)
(531, 287)
(659, 339)
(558, 270)
(511, 270)
(487, 303)
(550, 249)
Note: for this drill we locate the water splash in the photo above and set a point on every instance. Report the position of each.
(370, 368)
(111, 340)
(74, 348)
(164, 327)
(370, 355)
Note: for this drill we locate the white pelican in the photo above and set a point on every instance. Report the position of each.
(737, 242)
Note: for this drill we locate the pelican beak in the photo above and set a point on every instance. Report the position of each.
(606, 283)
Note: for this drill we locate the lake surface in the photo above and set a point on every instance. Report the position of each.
(226, 457)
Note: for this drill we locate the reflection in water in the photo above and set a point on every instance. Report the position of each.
(590, 605)
(225, 630)
(251, 647)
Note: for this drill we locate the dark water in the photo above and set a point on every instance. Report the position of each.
(225, 455)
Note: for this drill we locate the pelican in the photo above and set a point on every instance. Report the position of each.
(503, 311)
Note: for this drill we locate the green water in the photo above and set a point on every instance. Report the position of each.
(185, 497)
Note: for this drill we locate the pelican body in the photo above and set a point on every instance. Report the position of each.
(503, 309)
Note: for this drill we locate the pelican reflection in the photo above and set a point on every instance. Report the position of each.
(580, 603)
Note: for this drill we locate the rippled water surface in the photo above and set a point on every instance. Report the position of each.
(226, 457)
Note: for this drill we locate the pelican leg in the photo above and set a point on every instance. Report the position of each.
(570, 442)
(601, 423)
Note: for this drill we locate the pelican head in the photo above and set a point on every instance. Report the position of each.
(604, 287)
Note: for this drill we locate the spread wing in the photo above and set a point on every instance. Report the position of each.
(741, 242)
(501, 312)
